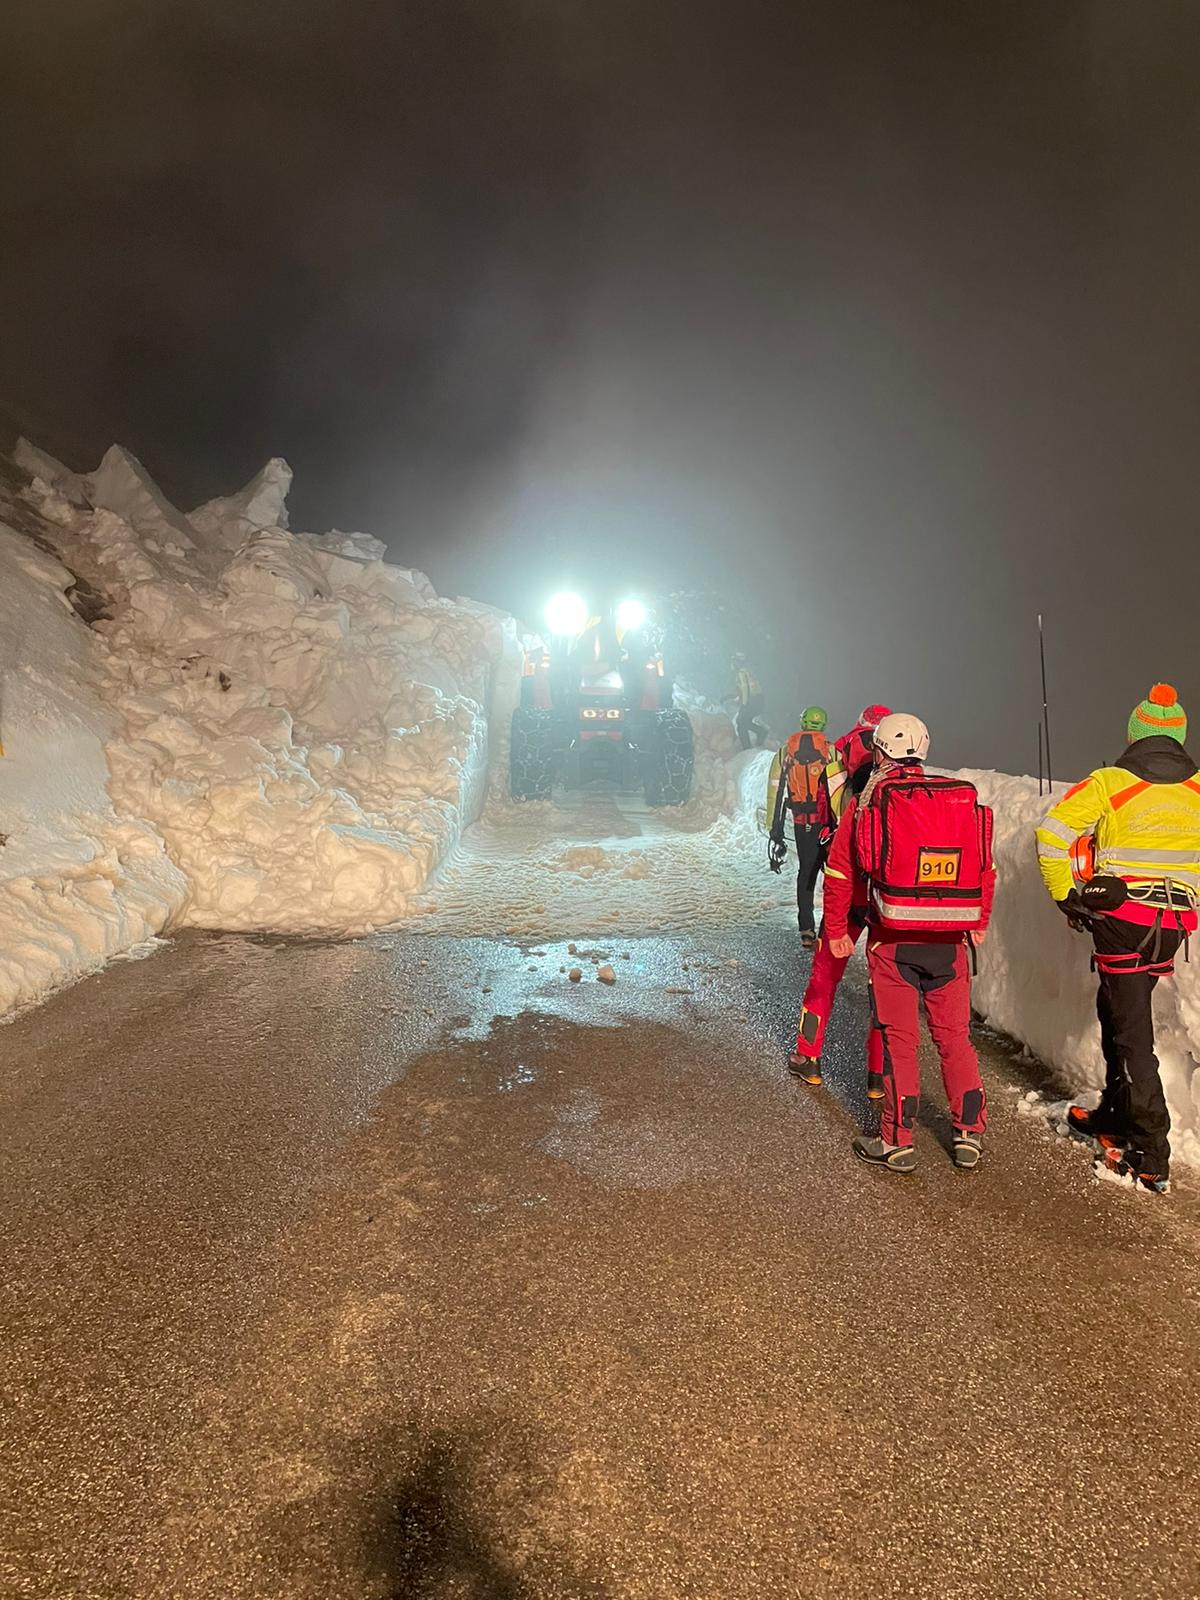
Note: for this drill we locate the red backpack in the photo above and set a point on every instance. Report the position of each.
(925, 843)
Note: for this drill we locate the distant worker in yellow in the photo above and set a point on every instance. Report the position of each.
(748, 696)
(1136, 825)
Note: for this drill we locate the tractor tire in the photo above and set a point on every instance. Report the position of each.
(531, 754)
(670, 759)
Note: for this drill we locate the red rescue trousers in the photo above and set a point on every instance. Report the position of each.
(902, 974)
(818, 1000)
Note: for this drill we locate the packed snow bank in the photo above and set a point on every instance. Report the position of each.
(1036, 984)
(302, 724)
(78, 883)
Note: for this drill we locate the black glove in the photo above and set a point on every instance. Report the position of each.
(776, 853)
(1076, 913)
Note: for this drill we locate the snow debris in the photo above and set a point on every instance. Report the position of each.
(228, 522)
(71, 486)
(121, 485)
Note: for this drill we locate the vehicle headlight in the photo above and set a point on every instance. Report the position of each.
(631, 614)
(566, 613)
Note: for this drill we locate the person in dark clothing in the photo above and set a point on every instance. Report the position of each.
(1138, 901)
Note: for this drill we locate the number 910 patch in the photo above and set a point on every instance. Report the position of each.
(938, 866)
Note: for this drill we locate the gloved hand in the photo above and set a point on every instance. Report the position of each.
(776, 853)
(1076, 913)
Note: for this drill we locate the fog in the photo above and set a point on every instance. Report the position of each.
(880, 319)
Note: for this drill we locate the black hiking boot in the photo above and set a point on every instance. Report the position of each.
(806, 1067)
(874, 1085)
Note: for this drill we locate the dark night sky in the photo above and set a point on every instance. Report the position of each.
(883, 316)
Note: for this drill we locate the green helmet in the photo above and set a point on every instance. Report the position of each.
(813, 719)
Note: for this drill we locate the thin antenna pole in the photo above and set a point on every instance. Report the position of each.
(1040, 758)
(1045, 703)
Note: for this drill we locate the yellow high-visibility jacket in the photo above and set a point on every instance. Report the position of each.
(746, 686)
(1142, 830)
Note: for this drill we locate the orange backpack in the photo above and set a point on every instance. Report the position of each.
(805, 767)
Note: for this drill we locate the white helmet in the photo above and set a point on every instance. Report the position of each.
(902, 737)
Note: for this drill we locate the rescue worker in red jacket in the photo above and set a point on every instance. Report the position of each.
(848, 772)
(1139, 905)
(799, 787)
(905, 969)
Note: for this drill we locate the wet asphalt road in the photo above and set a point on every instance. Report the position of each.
(405, 1268)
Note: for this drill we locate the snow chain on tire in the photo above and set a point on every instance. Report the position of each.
(671, 759)
(531, 754)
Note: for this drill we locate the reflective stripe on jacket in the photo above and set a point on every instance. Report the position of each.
(747, 686)
(1143, 830)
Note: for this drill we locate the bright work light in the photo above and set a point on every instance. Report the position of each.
(630, 615)
(566, 614)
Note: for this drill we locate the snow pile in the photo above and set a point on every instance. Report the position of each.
(78, 883)
(304, 725)
(714, 784)
(1036, 984)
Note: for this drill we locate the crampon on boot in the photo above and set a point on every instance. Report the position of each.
(1095, 1124)
(806, 1067)
(1097, 1129)
(877, 1153)
(1127, 1164)
(967, 1150)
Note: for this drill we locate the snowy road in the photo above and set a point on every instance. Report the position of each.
(407, 1268)
(586, 865)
